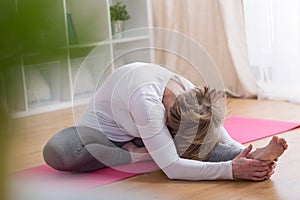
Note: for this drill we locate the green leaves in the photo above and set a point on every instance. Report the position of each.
(119, 12)
(31, 27)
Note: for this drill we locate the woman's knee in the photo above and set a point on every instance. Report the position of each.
(67, 150)
(59, 151)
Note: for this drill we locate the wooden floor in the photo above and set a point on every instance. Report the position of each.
(31, 133)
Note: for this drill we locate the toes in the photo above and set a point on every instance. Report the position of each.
(283, 143)
(274, 139)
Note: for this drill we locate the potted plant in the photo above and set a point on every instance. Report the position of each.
(118, 16)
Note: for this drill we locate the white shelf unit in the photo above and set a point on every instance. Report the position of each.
(55, 82)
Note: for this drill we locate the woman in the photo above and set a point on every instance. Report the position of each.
(153, 113)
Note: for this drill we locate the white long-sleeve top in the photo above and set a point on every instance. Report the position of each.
(129, 104)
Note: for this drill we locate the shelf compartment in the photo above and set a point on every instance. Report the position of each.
(89, 72)
(89, 17)
(46, 83)
(137, 51)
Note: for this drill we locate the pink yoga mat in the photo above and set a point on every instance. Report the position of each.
(46, 175)
(245, 129)
(242, 129)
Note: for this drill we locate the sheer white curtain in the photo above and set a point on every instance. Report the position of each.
(273, 37)
(218, 26)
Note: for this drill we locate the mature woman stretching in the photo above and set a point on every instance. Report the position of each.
(144, 111)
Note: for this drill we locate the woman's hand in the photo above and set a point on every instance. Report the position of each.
(251, 169)
(138, 154)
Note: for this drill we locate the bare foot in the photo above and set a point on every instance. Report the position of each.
(272, 151)
(129, 146)
(138, 154)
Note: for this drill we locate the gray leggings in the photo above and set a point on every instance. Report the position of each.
(83, 149)
(227, 149)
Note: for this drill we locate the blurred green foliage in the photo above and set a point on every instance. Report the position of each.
(4, 142)
(32, 30)
(31, 27)
(28, 28)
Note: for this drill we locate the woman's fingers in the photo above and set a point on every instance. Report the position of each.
(245, 152)
(251, 169)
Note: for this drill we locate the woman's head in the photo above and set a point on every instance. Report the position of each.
(194, 121)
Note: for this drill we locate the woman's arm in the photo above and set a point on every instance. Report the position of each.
(185, 169)
(148, 115)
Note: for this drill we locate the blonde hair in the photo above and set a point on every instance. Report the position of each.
(195, 119)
